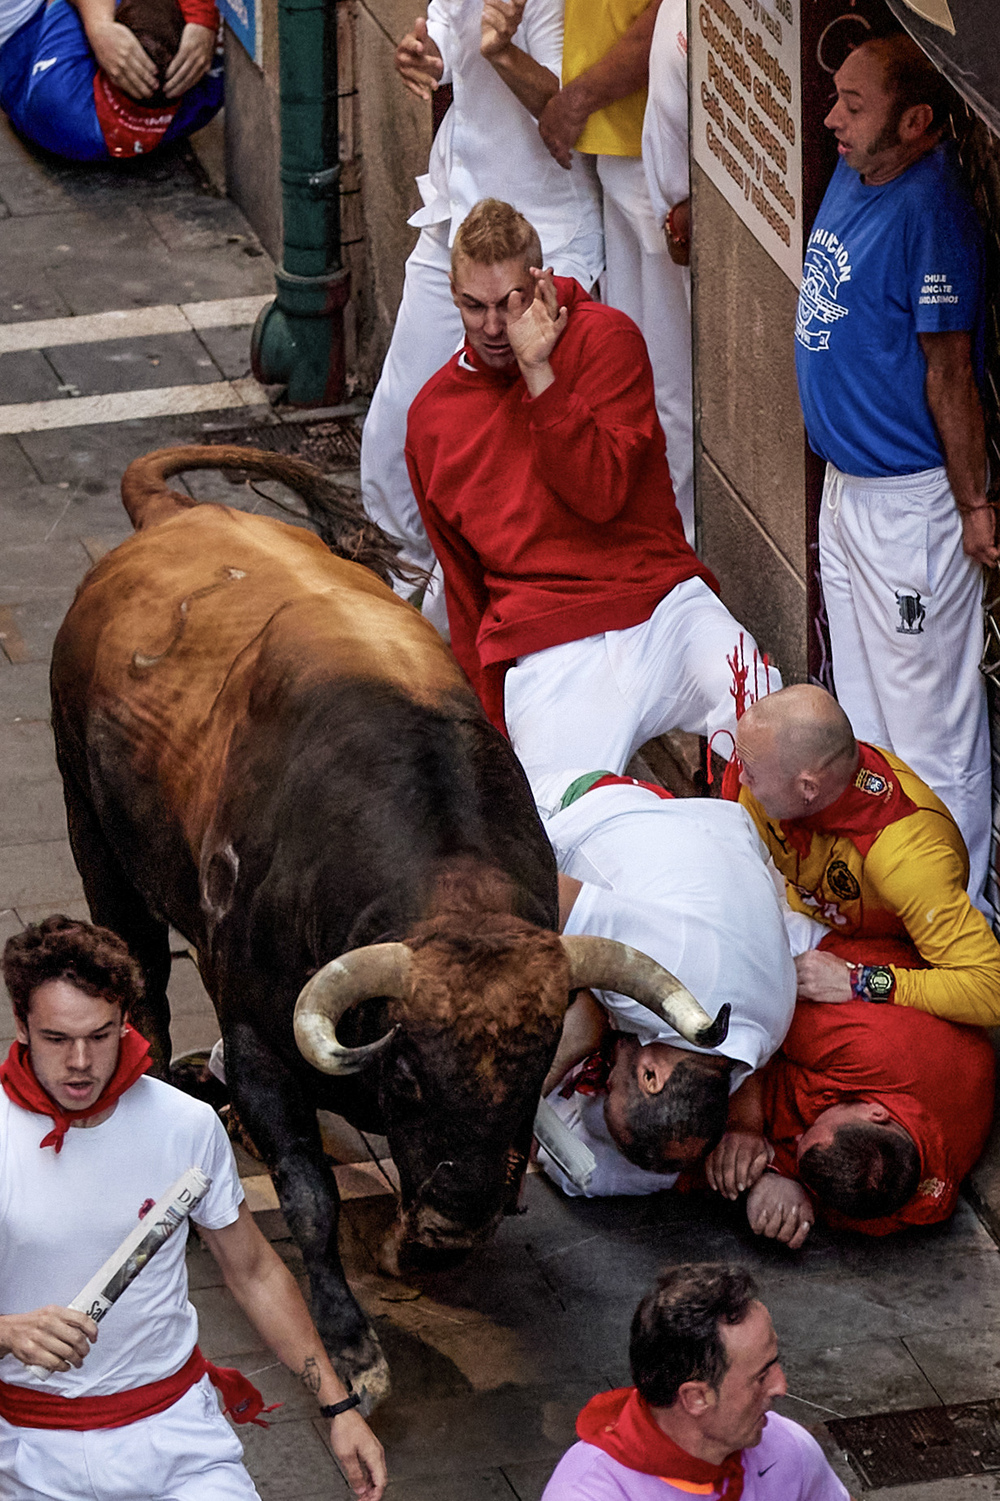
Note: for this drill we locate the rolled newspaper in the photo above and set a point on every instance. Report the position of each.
(137, 1249)
(566, 1150)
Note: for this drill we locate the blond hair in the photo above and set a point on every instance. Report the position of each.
(494, 232)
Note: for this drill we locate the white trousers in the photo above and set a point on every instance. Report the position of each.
(904, 606)
(187, 1453)
(594, 702)
(428, 331)
(641, 280)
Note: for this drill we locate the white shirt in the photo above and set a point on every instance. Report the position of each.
(665, 127)
(13, 14)
(62, 1216)
(488, 144)
(688, 882)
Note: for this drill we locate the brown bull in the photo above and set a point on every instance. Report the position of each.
(264, 746)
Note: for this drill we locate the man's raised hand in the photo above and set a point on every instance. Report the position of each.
(534, 329)
(418, 61)
(737, 1163)
(53, 1337)
(121, 55)
(191, 61)
(501, 18)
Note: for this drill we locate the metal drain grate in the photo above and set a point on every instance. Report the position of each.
(330, 445)
(928, 1443)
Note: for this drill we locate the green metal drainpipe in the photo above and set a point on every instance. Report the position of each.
(298, 340)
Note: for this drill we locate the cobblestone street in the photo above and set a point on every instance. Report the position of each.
(126, 302)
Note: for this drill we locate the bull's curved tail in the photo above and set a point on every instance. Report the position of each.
(339, 516)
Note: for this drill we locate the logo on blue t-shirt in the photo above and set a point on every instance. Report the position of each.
(827, 266)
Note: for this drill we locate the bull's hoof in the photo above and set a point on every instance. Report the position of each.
(367, 1370)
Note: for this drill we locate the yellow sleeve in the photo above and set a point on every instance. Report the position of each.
(921, 876)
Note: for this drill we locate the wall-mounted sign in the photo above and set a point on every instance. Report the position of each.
(243, 17)
(746, 116)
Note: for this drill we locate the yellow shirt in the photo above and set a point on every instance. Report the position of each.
(591, 29)
(911, 883)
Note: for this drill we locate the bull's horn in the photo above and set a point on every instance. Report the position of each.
(379, 969)
(605, 964)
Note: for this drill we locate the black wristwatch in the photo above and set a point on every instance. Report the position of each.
(334, 1409)
(873, 982)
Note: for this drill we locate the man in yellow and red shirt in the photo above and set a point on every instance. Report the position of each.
(868, 851)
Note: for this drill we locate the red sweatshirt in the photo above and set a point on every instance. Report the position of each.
(935, 1079)
(553, 518)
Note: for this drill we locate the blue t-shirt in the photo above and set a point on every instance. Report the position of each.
(882, 265)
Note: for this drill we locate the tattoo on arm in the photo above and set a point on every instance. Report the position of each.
(309, 1375)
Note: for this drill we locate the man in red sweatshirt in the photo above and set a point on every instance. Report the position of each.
(576, 607)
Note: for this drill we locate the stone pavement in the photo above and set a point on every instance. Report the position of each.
(490, 1362)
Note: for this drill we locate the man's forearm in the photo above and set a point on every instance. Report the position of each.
(276, 1308)
(527, 80)
(622, 70)
(95, 12)
(953, 398)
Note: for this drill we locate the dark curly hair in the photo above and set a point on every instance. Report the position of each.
(866, 1172)
(93, 959)
(676, 1329)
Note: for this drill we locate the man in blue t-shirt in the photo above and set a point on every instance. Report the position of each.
(889, 355)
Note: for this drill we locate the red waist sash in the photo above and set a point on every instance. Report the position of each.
(27, 1407)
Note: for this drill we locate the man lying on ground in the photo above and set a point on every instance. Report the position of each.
(704, 1358)
(685, 881)
(575, 605)
(869, 1115)
(89, 1145)
(90, 82)
(868, 850)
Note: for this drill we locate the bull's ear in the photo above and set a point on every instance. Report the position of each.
(405, 1084)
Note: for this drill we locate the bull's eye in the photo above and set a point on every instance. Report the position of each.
(405, 1084)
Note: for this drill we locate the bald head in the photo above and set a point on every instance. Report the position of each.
(798, 751)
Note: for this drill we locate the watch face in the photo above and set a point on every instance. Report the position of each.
(881, 983)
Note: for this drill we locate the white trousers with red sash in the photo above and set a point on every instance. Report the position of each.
(186, 1453)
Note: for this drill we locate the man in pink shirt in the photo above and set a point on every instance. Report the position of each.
(704, 1359)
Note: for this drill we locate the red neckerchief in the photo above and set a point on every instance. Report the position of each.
(621, 1424)
(20, 1085)
(592, 1075)
(609, 780)
(129, 128)
(872, 800)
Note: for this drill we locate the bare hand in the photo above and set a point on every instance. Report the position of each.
(780, 1209)
(679, 243)
(979, 536)
(53, 1337)
(534, 329)
(501, 18)
(561, 124)
(418, 61)
(737, 1163)
(823, 977)
(190, 62)
(123, 59)
(359, 1454)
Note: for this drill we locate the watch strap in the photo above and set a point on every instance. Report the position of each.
(334, 1409)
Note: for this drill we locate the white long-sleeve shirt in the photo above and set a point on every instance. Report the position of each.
(488, 144)
(665, 127)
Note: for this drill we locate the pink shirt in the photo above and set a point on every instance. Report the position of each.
(787, 1465)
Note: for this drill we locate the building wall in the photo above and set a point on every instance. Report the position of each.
(750, 444)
